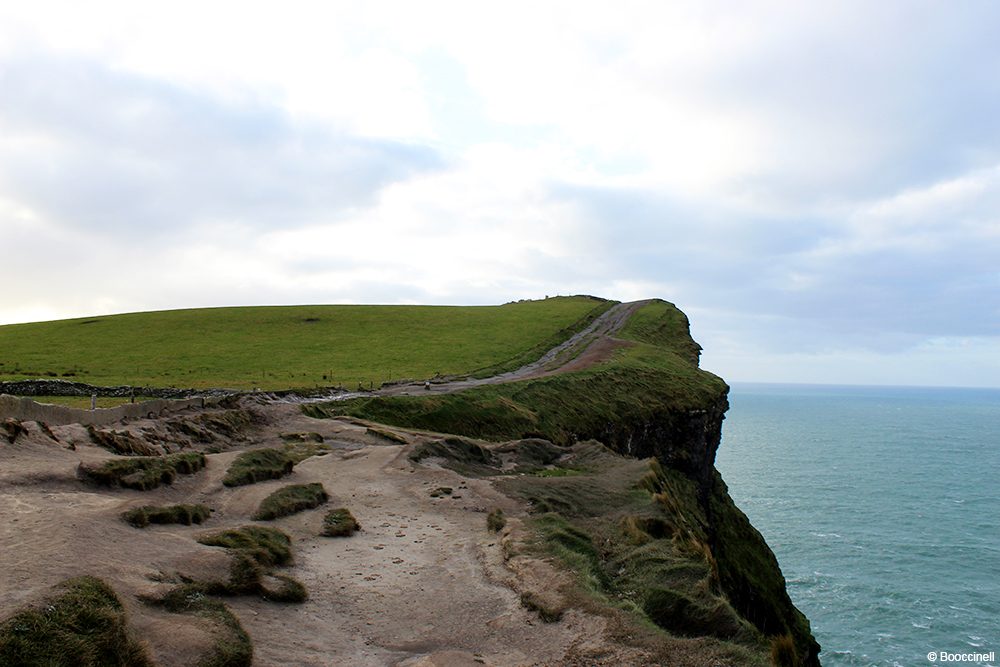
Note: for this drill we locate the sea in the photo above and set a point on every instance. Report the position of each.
(882, 505)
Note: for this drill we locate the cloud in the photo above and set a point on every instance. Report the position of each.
(809, 183)
(112, 153)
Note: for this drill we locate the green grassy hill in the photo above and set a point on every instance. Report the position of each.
(276, 347)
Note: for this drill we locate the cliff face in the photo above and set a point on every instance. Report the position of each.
(650, 401)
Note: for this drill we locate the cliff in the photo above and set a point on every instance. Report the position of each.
(650, 400)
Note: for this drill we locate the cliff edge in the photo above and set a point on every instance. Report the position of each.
(642, 515)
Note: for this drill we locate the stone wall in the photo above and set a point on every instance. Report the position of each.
(25, 409)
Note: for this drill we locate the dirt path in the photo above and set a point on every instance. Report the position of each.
(590, 346)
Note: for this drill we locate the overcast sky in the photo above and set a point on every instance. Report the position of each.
(816, 184)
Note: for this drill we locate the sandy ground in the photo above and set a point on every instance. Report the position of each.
(424, 582)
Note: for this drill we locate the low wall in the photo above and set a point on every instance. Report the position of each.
(25, 409)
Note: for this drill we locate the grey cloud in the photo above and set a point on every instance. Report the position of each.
(110, 152)
(863, 99)
(808, 283)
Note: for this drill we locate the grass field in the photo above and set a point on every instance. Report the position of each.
(276, 347)
(659, 369)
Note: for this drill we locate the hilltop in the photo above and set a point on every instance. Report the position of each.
(280, 347)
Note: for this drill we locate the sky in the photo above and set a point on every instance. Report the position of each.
(817, 185)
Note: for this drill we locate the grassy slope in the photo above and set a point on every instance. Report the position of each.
(656, 370)
(290, 346)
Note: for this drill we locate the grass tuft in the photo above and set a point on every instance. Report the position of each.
(267, 546)
(142, 472)
(340, 523)
(291, 499)
(290, 590)
(84, 626)
(258, 465)
(783, 652)
(140, 517)
(495, 520)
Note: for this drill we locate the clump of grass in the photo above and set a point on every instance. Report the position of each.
(495, 520)
(84, 626)
(547, 612)
(677, 613)
(258, 465)
(783, 652)
(340, 523)
(140, 517)
(267, 546)
(233, 647)
(387, 435)
(441, 491)
(290, 590)
(255, 551)
(142, 472)
(291, 499)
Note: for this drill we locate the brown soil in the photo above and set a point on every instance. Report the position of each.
(423, 583)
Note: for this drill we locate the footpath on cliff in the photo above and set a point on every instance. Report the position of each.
(425, 581)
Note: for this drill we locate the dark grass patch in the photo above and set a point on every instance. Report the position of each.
(340, 523)
(233, 647)
(291, 499)
(258, 465)
(441, 491)
(140, 517)
(267, 546)
(142, 472)
(681, 615)
(84, 626)
(495, 520)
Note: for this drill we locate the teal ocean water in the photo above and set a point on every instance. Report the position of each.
(883, 508)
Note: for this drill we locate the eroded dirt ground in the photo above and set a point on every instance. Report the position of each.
(423, 583)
